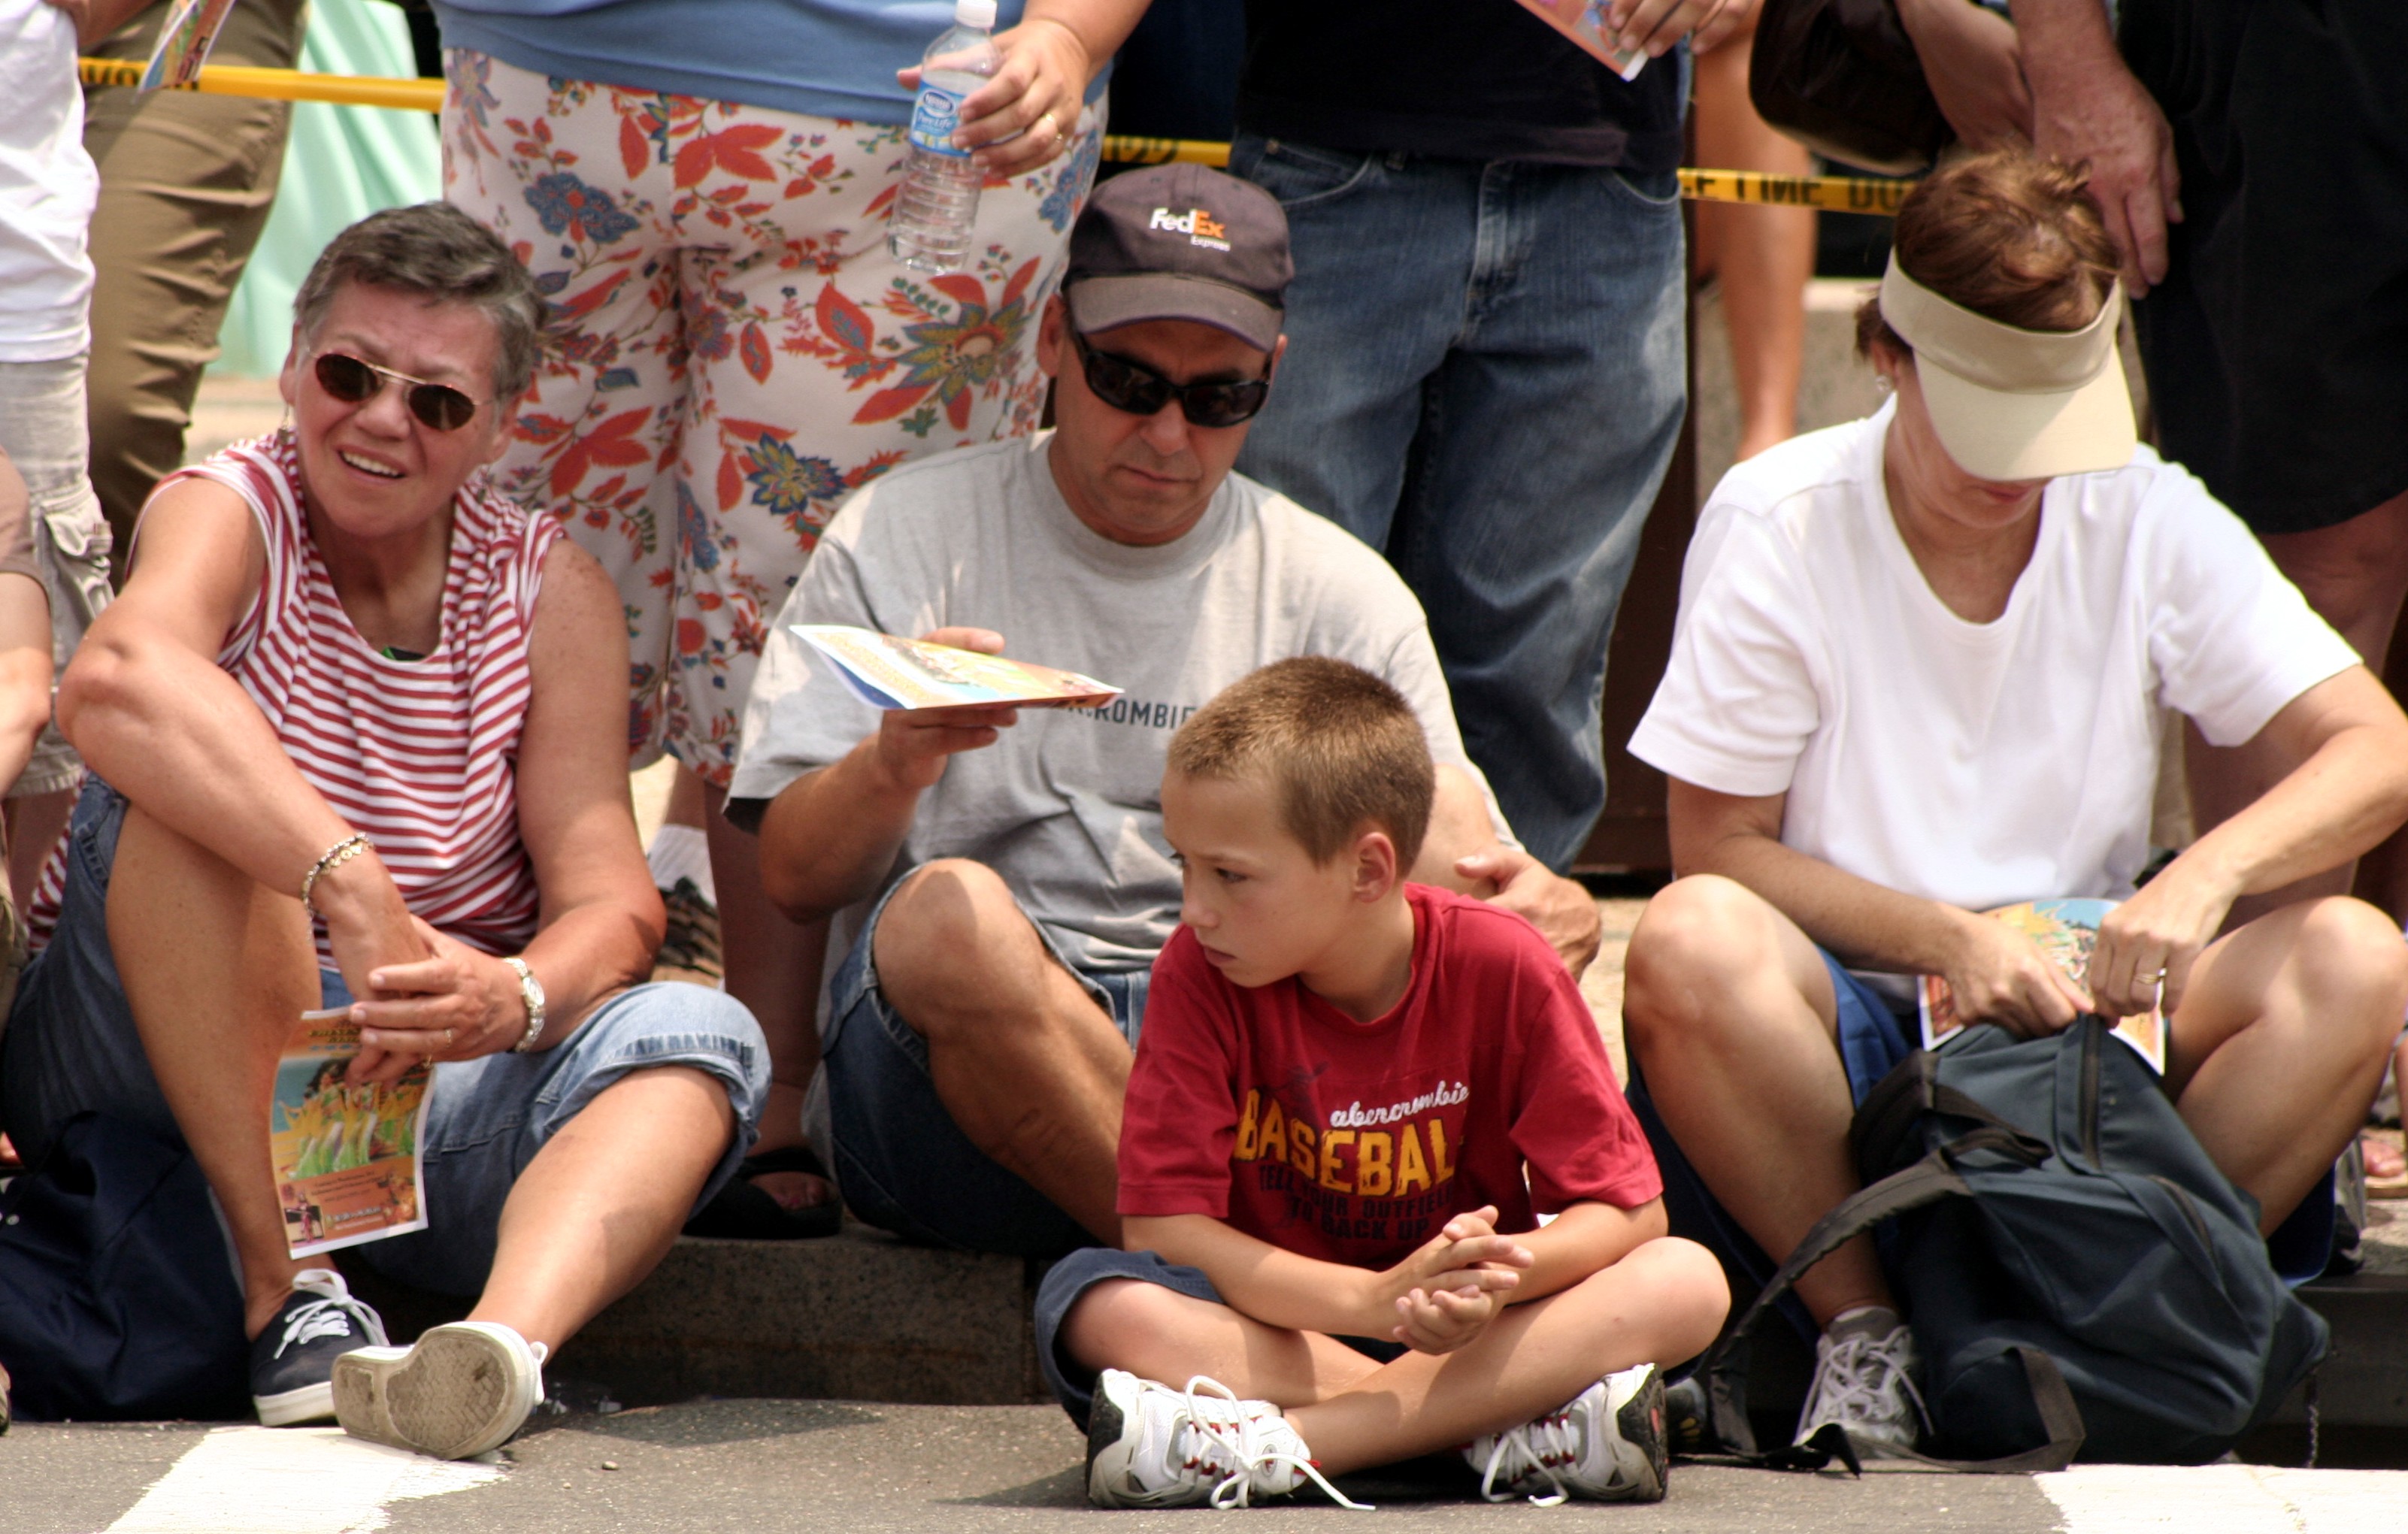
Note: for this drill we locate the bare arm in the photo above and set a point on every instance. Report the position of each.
(94, 19)
(147, 705)
(2348, 792)
(2086, 105)
(25, 638)
(830, 836)
(601, 917)
(1461, 852)
(1280, 1288)
(1048, 61)
(1996, 974)
(1585, 1239)
(24, 670)
(1975, 66)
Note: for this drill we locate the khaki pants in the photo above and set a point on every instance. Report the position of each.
(186, 182)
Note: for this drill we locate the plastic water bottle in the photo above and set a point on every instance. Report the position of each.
(937, 211)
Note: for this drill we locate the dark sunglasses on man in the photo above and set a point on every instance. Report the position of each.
(438, 406)
(1132, 386)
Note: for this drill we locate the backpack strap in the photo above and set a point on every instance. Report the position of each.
(1882, 1134)
(1723, 1370)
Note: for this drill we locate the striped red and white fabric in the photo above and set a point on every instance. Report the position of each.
(421, 755)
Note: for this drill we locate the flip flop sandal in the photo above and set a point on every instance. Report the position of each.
(744, 1212)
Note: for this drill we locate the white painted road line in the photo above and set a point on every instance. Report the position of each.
(2229, 1499)
(290, 1481)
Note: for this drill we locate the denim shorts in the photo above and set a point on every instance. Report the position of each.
(1874, 1040)
(71, 1044)
(902, 1163)
(1073, 1385)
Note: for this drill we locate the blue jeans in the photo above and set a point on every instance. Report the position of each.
(71, 1044)
(1485, 375)
(902, 1162)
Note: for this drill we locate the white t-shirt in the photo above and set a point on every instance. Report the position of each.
(1067, 805)
(1975, 764)
(47, 188)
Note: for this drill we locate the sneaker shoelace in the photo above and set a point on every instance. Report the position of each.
(1223, 1440)
(1863, 1381)
(1538, 1446)
(336, 1314)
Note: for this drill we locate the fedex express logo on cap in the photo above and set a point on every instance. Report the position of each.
(1201, 229)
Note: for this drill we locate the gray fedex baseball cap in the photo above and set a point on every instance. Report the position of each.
(1180, 242)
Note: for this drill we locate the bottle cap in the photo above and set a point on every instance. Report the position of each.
(976, 13)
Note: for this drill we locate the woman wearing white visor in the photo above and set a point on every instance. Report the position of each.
(1924, 665)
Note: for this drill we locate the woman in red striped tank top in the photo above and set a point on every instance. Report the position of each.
(357, 735)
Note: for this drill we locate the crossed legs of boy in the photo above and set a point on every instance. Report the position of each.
(1346, 1411)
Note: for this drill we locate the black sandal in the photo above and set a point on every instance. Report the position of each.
(742, 1211)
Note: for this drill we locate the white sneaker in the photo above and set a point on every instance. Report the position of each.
(1151, 1446)
(1865, 1386)
(1606, 1444)
(458, 1391)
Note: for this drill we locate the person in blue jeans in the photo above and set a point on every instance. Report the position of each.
(1489, 362)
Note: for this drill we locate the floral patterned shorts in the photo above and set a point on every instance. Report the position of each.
(734, 352)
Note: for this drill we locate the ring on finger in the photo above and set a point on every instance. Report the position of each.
(447, 1039)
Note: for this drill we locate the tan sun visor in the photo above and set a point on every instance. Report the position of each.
(2013, 404)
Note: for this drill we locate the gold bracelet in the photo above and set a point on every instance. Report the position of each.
(334, 857)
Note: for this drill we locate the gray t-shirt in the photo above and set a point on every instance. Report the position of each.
(1067, 805)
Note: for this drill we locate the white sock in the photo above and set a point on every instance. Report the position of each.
(1870, 1322)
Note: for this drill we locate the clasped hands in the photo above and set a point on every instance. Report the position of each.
(1448, 1291)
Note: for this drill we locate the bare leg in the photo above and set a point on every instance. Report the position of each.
(1763, 257)
(1029, 1067)
(600, 1205)
(2280, 1042)
(773, 968)
(2354, 573)
(1660, 1304)
(1158, 1334)
(217, 970)
(1730, 1011)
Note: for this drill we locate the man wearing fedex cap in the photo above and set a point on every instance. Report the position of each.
(1000, 880)
(1923, 666)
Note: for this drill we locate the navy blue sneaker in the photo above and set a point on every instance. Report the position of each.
(292, 1361)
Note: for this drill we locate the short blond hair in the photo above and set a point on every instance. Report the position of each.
(1339, 747)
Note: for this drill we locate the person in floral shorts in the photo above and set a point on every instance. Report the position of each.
(701, 189)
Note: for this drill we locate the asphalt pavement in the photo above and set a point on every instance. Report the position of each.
(755, 1466)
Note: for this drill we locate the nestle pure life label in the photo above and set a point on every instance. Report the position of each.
(937, 113)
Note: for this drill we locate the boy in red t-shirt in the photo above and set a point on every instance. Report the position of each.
(1352, 1099)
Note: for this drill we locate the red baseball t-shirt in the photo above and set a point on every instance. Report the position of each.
(1354, 1142)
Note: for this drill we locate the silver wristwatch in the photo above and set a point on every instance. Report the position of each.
(530, 991)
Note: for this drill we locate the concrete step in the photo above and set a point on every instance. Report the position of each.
(861, 1316)
(858, 1316)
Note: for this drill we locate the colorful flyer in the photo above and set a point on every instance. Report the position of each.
(348, 1163)
(185, 39)
(2066, 931)
(888, 672)
(1583, 23)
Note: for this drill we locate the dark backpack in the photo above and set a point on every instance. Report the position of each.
(117, 1296)
(2079, 1278)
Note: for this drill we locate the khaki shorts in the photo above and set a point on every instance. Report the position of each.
(42, 430)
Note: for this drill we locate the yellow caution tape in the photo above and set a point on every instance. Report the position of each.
(234, 79)
(1832, 193)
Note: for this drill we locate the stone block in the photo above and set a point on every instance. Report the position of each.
(859, 1316)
